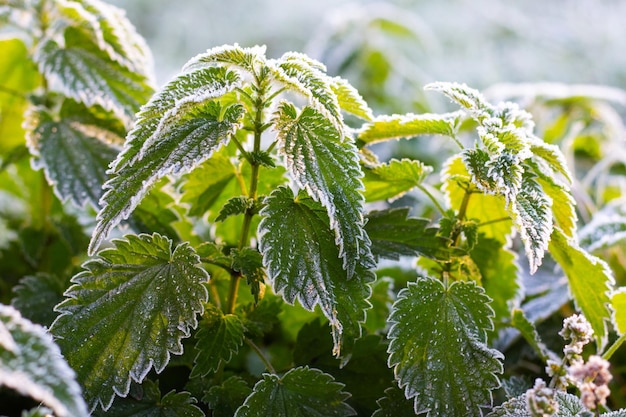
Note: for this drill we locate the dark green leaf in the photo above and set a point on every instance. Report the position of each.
(140, 298)
(300, 392)
(328, 169)
(382, 298)
(259, 318)
(32, 365)
(36, 296)
(235, 206)
(394, 404)
(303, 264)
(224, 399)
(393, 180)
(394, 234)
(155, 214)
(249, 262)
(219, 337)
(438, 348)
(409, 125)
(529, 332)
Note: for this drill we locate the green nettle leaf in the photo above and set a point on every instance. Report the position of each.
(235, 206)
(563, 204)
(73, 155)
(147, 401)
(438, 350)
(303, 264)
(155, 214)
(394, 234)
(462, 95)
(128, 311)
(31, 364)
(606, 228)
(300, 392)
(590, 281)
(219, 337)
(81, 70)
(409, 125)
(350, 100)
(245, 58)
(224, 399)
(249, 262)
(393, 180)
(569, 406)
(36, 296)
(394, 404)
(328, 169)
(618, 303)
(182, 140)
(529, 332)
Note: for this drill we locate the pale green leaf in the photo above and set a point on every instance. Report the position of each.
(179, 144)
(329, 170)
(128, 311)
(399, 126)
(224, 399)
(36, 296)
(80, 70)
(618, 304)
(606, 228)
(303, 264)
(350, 100)
(590, 280)
(300, 392)
(394, 234)
(529, 332)
(218, 338)
(394, 179)
(550, 158)
(563, 204)
(32, 365)
(245, 58)
(461, 94)
(146, 401)
(438, 350)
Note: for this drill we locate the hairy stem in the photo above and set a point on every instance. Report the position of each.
(261, 355)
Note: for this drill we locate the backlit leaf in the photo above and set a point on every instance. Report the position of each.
(249, 262)
(394, 179)
(438, 350)
(31, 364)
(246, 58)
(409, 125)
(350, 100)
(328, 169)
(590, 280)
(300, 392)
(127, 312)
(618, 303)
(303, 264)
(461, 94)
(219, 337)
(235, 206)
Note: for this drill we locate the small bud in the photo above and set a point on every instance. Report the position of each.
(540, 400)
(592, 378)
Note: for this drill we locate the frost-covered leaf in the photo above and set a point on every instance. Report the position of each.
(235, 206)
(394, 179)
(399, 126)
(569, 406)
(139, 298)
(529, 332)
(74, 155)
(224, 399)
(181, 141)
(394, 404)
(36, 296)
(461, 94)
(328, 169)
(246, 58)
(32, 365)
(606, 228)
(394, 234)
(438, 350)
(301, 391)
(303, 264)
(146, 401)
(563, 204)
(590, 280)
(550, 158)
(350, 100)
(618, 304)
(219, 337)
(80, 70)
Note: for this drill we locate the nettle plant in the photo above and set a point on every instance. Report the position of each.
(249, 281)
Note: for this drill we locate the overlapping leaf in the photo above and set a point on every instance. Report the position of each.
(302, 260)
(529, 332)
(301, 391)
(128, 311)
(438, 347)
(350, 100)
(409, 125)
(393, 404)
(590, 281)
(31, 364)
(328, 169)
(394, 179)
(606, 228)
(36, 296)
(463, 95)
(569, 406)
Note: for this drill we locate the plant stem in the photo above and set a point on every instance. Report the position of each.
(432, 198)
(259, 352)
(501, 219)
(610, 351)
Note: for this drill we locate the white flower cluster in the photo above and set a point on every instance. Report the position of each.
(540, 400)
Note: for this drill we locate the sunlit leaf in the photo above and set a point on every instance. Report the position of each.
(235, 206)
(409, 125)
(350, 100)
(246, 58)
(300, 392)
(438, 350)
(139, 298)
(32, 365)
(328, 169)
(618, 304)
(590, 280)
(461, 94)
(394, 179)
(529, 332)
(606, 228)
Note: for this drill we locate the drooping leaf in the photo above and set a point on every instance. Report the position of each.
(618, 304)
(74, 155)
(301, 391)
(80, 70)
(590, 280)
(139, 298)
(529, 332)
(224, 399)
(409, 125)
(393, 180)
(569, 406)
(218, 338)
(394, 404)
(303, 264)
(36, 296)
(328, 169)
(249, 262)
(350, 100)
(438, 350)
(394, 234)
(147, 401)
(179, 144)
(32, 365)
